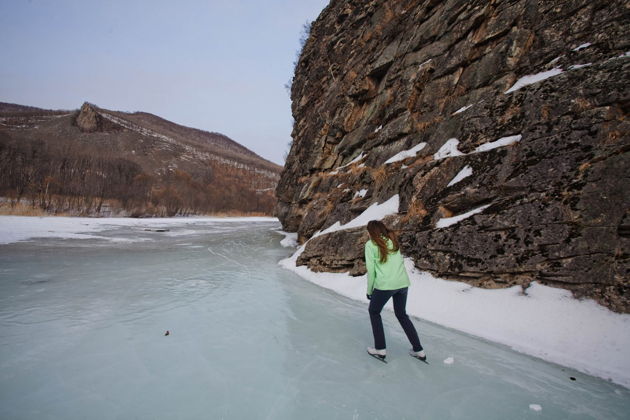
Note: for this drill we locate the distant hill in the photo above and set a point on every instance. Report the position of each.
(94, 161)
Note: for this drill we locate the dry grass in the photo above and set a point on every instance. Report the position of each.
(21, 209)
(356, 169)
(582, 104)
(545, 112)
(613, 136)
(420, 126)
(584, 166)
(510, 113)
(445, 212)
(380, 175)
(416, 211)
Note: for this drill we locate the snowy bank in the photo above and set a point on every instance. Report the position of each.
(545, 322)
(21, 228)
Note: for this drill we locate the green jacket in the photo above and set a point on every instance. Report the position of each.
(390, 275)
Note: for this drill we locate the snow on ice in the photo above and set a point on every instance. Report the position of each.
(289, 240)
(449, 361)
(535, 407)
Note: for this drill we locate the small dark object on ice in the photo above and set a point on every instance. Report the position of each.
(572, 378)
(167, 332)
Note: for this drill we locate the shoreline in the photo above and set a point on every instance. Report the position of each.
(22, 228)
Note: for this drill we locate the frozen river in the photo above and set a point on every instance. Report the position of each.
(82, 336)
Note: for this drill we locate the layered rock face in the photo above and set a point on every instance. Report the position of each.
(513, 116)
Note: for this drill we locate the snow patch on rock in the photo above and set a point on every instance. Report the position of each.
(448, 221)
(503, 141)
(406, 153)
(375, 212)
(462, 109)
(465, 172)
(534, 78)
(449, 149)
(583, 46)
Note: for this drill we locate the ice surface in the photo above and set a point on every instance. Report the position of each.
(448, 149)
(534, 78)
(535, 407)
(449, 361)
(83, 324)
(406, 153)
(20, 228)
(464, 173)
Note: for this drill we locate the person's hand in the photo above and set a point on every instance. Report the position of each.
(369, 297)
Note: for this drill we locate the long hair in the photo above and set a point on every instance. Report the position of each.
(379, 233)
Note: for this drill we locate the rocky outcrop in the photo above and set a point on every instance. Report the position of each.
(91, 119)
(514, 118)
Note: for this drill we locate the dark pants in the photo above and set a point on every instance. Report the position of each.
(379, 299)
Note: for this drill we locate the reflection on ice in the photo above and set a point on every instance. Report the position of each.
(83, 336)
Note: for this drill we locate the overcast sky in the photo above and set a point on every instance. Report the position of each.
(217, 65)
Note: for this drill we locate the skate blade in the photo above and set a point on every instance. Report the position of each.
(417, 358)
(377, 357)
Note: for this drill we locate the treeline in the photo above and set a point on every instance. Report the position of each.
(62, 180)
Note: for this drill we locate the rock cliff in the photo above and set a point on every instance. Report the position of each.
(508, 114)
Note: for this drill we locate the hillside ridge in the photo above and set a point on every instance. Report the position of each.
(156, 162)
